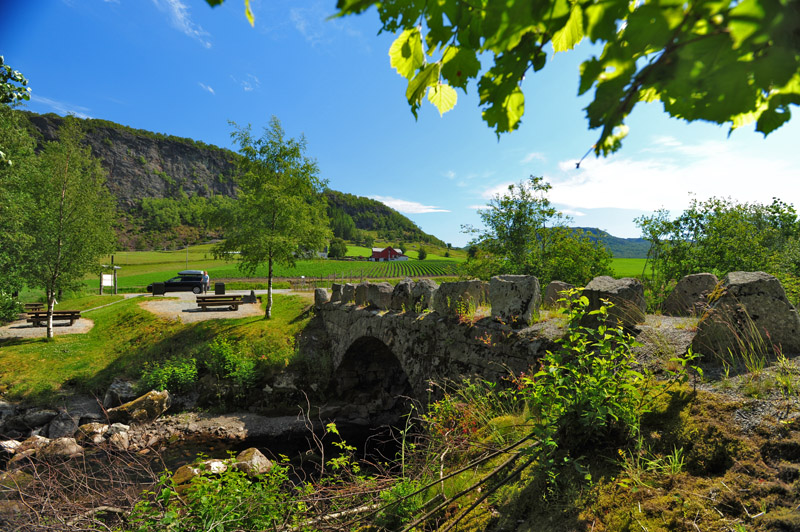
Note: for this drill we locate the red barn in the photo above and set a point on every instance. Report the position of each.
(388, 253)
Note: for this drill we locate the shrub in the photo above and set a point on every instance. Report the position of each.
(10, 307)
(178, 375)
(227, 360)
(221, 502)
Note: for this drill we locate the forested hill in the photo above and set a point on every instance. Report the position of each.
(165, 184)
(628, 248)
(350, 213)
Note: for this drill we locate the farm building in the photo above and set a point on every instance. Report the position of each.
(386, 254)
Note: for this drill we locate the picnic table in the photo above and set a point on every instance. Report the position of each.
(230, 301)
(30, 307)
(39, 317)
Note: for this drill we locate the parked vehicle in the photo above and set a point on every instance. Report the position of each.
(187, 280)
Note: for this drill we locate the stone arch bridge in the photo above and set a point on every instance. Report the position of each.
(370, 348)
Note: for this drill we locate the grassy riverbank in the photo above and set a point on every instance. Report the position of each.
(124, 340)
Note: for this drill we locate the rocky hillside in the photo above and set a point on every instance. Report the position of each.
(142, 164)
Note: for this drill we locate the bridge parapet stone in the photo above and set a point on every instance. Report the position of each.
(515, 298)
(458, 297)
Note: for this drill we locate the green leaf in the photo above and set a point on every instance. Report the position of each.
(572, 33)
(416, 87)
(458, 65)
(249, 13)
(443, 96)
(406, 53)
(505, 115)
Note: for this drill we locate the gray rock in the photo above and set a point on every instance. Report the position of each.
(348, 293)
(361, 294)
(65, 447)
(62, 426)
(92, 433)
(336, 293)
(458, 298)
(749, 311)
(185, 474)
(401, 295)
(120, 440)
(38, 417)
(146, 408)
(689, 297)
(515, 298)
(120, 392)
(554, 291)
(118, 428)
(379, 295)
(252, 462)
(34, 442)
(422, 294)
(627, 295)
(320, 297)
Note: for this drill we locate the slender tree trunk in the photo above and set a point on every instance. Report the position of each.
(268, 313)
(51, 301)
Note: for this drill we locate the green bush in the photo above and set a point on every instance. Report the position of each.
(178, 375)
(10, 307)
(229, 360)
(221, 502)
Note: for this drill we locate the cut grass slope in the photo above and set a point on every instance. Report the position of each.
(123, 339)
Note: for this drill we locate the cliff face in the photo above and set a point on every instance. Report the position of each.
(143, 164)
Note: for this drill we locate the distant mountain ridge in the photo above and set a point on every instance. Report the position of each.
(620, 248)
(144, 166)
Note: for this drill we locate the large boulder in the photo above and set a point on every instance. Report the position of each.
(515, 298)
(252, 462)
(146, 408)
(458, 298)
(62, 426)
(401, 295)
(554, 292)
(320, 297)
(690, 295)
(627, 295)
(119, 392)
(422, 295)
(336, 292)
(348, 293)
(63, 447)
(361, 294)
(749, 311)
(37, 417)
(379, 295)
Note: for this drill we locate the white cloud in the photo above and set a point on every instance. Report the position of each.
(407, 207)
(206, 87)
(179, 17)
(61, 107)
(500, 189)
(572, 212)
(317, 28)
(476, 207)
(248, 83)
(533, 156)
(450, 174)
(705, 169)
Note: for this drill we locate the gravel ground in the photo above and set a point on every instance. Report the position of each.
(182, 306)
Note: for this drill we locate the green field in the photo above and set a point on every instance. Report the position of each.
(140, 268)
(628, 267)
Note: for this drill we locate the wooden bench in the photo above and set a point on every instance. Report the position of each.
(39, 317)
(31, 307)
(232, 302)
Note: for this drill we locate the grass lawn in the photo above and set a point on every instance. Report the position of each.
(125, 338)
(627, 267)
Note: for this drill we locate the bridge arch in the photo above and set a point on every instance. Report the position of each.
(371, 378)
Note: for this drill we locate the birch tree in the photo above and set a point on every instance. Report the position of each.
(280, 212)
(69, 218)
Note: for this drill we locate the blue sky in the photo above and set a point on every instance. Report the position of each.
(182, 68)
